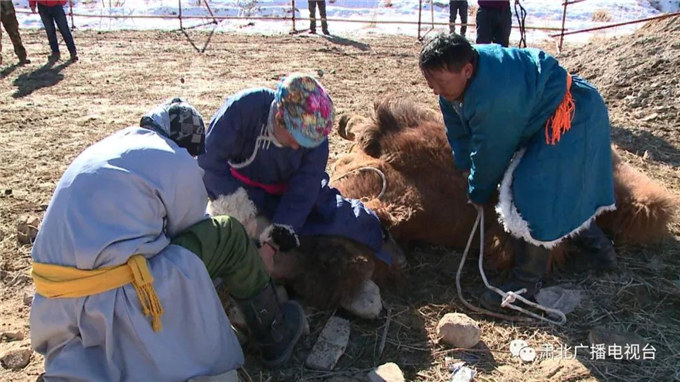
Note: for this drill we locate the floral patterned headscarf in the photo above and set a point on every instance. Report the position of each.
(305, 109)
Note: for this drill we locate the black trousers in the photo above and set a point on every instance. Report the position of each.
(322, 13)
(493, 25)
(459, 7)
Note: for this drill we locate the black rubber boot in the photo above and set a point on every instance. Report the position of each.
(275, 327)
(597, 248)
(531, 263)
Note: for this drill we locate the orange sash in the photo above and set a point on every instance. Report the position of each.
(560, 122)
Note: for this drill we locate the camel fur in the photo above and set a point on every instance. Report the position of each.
(425, 196)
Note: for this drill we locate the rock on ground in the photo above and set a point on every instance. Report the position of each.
(330, 345)
(389, 372)
(458, 330)
(16, 359)
(367, 303)
(27, 229)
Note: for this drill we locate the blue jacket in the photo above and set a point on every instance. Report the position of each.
(309, 205)
(231, 137)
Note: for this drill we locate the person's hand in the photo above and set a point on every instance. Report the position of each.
(33, 8)
(267, 252)
(466, 174)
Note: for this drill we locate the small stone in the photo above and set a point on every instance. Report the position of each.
(8, 191)
(12, 336)
(27, 229)
(461, 373)
(367, 303)
(559, 297)
(458, 330)
(16, 359)
(28, 298)
(650, 117)
(330, 345)
(648, 155)
(388, 372)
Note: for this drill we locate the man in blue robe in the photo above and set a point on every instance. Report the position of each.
(516, 118)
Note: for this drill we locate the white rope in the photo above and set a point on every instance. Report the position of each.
(264, 140)
(367, 168)
(507, 298)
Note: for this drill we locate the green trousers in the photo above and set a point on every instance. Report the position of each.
(228, 253)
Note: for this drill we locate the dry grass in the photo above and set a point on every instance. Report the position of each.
(602, 16)
(49, 115)
(472, 10)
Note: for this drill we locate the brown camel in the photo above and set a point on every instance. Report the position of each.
(424, 198)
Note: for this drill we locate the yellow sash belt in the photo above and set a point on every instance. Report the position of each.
(56, 281)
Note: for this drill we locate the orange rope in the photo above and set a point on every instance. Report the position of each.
(560, 122)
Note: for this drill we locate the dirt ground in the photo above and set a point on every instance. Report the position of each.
(49, 114)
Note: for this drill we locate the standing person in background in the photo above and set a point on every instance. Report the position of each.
(461, 7)
(8, 18)
(52, 12)
(494, 20)
(322, 14)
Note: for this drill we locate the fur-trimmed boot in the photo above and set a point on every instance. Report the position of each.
(597, 248)
(275, 327)
(531, 264)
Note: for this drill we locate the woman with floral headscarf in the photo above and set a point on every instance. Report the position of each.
(124, 259)
(266, 155)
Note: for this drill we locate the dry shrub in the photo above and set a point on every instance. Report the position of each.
(601, 15)
(472, 10)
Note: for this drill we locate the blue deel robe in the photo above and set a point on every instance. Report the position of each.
(549, 191)
(309, 205)
(130, 194)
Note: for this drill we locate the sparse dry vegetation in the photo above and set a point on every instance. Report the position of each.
(602, 16)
